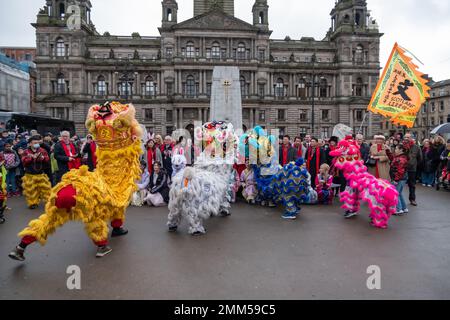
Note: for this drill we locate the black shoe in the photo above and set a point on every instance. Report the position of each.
(17, 254)
(32, 207)
(350, 214)
(225, 213)
(413, 203)
(117, 232)
(198, 233)
(103, 251)
(173, 228)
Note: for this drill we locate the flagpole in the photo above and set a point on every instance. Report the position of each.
(362, 123)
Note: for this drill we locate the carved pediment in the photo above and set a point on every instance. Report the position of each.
(215, 20)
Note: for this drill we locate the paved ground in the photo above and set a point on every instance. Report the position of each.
(251, 255)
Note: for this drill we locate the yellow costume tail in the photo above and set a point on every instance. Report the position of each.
(36, 187)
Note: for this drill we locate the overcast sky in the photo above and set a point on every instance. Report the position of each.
(421, 26)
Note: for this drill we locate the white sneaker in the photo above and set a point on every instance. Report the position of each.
(405, 211)
(423, 184)
(429, 186)
(399, 213)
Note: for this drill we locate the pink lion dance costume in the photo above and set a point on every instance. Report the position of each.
(381, 196)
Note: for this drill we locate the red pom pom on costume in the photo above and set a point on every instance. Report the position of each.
(65, 198)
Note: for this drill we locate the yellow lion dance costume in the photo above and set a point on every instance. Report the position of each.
(95, 198)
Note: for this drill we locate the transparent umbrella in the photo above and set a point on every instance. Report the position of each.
(442, 129)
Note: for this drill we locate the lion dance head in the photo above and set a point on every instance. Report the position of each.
(113, 125)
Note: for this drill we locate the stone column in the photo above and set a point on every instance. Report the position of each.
(181, 119)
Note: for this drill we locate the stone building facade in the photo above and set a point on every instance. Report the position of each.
(15, 88)
(436, 110)
(168, 77)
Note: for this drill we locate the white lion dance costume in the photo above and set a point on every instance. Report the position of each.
(95, 198)
(204, 190)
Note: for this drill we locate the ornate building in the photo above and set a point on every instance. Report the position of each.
(292, 85)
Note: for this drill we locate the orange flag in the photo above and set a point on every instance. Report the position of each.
(401, 90)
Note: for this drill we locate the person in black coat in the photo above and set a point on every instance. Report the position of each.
(67, 160)
(287, 153)
(90, 149)
(315, 157)
(158, 187)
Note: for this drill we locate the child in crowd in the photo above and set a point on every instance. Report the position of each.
(324, 182)
(248, 183)
(12, 161)
(399, 176)
(445, 157)
(141, 194)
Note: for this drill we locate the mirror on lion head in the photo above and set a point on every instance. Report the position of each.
(113, 125)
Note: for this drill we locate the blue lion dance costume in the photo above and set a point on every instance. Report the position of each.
(289, 186)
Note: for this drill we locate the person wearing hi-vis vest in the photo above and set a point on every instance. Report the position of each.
(36, 185)
(3, 193)
(66, 155)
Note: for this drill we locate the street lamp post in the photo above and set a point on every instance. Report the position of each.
(313, 60)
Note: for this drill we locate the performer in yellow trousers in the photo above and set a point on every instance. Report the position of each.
(36, 185)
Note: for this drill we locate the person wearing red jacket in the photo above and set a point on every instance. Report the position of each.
(399, 176)
(36, 185)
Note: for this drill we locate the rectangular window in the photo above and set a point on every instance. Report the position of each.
(261, 90)
(281, 115)
(303, 132)
(359, 115)
(262, 55)
(303, 115)
(262, 115)
(208, 53)
(169, 52)
(148, 115)
(169, 130)
(324, 133)
(282, 131)
(441, 106)
(325, 114)
(169, 115)
(169, 86)
(433, 107)
(61, 113)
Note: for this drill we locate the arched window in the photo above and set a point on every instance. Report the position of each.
(302, 88)
(101, 86)
(241, 51)
(125, 86)
(150, 87)
(60, 48)
(61, 84)
(216, 50)
(190, 86)
(359, 87)
(323, 88)
(261, 17)
(169, 14)
(357, 19)
(244, 91)
(190, 50)
(279, 88)
(359, 54)
(346, 18)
